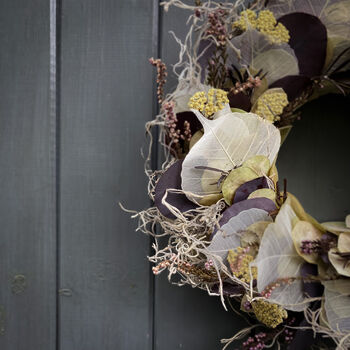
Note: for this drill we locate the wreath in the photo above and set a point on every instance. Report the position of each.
(232, 228)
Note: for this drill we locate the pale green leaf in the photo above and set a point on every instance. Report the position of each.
(277, 259)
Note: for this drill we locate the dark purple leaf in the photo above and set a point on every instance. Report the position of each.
(240, 101)
(313, 289)
(308, 39)
(293, 85)
(248, 187)
(171, 179)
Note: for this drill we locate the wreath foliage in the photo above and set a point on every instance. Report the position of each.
(232, 229)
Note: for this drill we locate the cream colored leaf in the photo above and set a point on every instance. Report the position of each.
(302, 231)
(273, 173)
(278, 63)
(252, 236)
(336, 18)
(277, 259)
(312, 7)
(337, 304)
(347, 221)
(300, 212)
(195, 138)
(227, 142)
(344, 243)
(229, 235)
(340, 264)
(260, 164)
(256, 52)
(335, 227)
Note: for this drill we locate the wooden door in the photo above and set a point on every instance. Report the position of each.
(76, 89)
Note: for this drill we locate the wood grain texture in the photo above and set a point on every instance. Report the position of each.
(106, 99)
(27, 179)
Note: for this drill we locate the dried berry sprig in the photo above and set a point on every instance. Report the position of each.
(262, 340)
(170, 122)
(266, 293)
(161, 77)
(217, 26)
(178, 137)
(256, 342)
(250, 84)
(243, 81)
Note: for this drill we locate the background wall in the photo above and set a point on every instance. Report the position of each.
(76, 89)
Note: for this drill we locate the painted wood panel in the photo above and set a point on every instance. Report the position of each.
(106, 97)
(27, 179)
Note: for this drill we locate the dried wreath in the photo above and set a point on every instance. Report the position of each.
(243, 74)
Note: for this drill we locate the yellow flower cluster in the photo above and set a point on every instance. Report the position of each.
(269, 314)
(270, 106)
(266, 23)
(239, 262)
(210, 104)
(248, 19)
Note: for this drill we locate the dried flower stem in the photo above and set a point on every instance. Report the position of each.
(161, 77)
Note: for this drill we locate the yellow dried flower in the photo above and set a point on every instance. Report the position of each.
(269, 314)
(239, 260)
(198, 101)
(210, 104)
(280, 34)
(247, 19)
(266, 23)
(270, 105)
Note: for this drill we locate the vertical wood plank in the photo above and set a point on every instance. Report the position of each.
(27, 179)
(106, 99)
